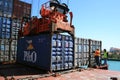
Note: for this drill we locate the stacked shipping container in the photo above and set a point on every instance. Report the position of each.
(49, 52)
(5, 28)
(6, 7)
(5, 18)
(21, 9)
(16, 25)
(9, 26)
(4, 49)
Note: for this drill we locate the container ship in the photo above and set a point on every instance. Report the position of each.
(45, 45)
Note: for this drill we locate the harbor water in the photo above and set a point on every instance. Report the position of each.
(114, 65)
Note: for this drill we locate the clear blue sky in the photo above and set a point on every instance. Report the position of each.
(93, 19)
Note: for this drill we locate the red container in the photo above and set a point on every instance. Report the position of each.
(21, 9)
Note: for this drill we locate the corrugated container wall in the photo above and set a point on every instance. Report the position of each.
(94, 44)
(21, 9)
(49, 52)
(4, 50)
(5, 25)
(6, 7)
(84, 51)
(16, 25)
(81, 52)
(5, 18)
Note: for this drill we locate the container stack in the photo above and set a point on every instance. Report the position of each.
(5, 28)
(45, 51)
(8, 39)
(9, 27)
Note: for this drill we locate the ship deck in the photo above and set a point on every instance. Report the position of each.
(77, 74)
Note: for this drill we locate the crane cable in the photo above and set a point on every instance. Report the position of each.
(31, 8)
(38, 7)
(68, 2)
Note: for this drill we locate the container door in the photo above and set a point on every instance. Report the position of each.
(56, 52)
(68, 52)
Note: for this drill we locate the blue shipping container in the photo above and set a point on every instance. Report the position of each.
(45, 51)
(5, 27)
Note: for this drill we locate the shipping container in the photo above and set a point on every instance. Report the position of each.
(5, 28)
(16, 25)
(4, 50)
(81, 52)
(94, 44)
(8, 50)
(6, 8)
(21, 9)
(45, 51)
(13, 50)
(84, 51)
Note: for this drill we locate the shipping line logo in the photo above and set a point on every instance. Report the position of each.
(30, 46)
(30, 55)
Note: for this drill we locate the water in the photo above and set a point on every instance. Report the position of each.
(114, 65)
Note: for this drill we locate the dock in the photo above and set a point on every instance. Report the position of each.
(85, 74)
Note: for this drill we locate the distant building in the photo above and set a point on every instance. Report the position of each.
(115, 50)
(11, 13)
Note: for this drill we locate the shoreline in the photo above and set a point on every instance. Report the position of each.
(113, 59)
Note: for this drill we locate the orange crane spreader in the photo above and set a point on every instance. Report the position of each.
(53, 19)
